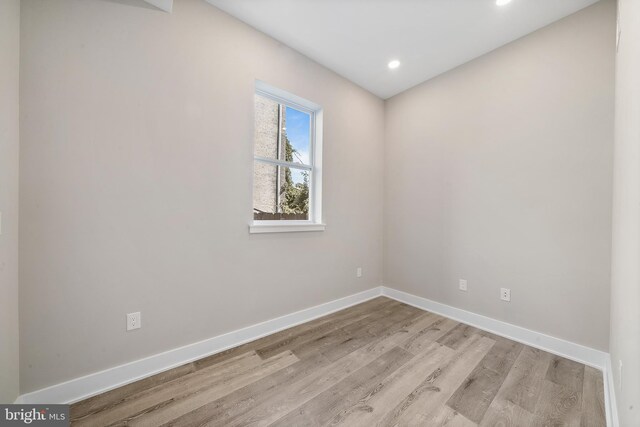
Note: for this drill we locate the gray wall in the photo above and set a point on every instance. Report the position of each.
(136, 170)
(9, 131)
(500, 172)
(625, 283)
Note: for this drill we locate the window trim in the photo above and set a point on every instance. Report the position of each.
(314, 223)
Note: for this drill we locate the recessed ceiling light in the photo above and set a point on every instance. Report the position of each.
(394, 64)
(502, 2)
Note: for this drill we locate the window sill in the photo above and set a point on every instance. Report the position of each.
(284, 228)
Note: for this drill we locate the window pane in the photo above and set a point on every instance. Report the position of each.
(298, 136)
(280, 193)
(267, 117)
(281, 132)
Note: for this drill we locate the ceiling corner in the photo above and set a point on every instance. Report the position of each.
(166, 5)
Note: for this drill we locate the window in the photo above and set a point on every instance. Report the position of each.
(287, 158)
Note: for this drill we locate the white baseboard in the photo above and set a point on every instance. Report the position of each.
(560, 347)
(99, 382)
(610, 395)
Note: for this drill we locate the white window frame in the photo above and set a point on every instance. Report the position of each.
(314, 223)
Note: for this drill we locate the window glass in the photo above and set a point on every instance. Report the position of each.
(298, 134)
(280, 193)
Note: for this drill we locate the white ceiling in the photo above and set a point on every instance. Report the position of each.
(357, 38)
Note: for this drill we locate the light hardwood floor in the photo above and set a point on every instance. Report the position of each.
(379, 363)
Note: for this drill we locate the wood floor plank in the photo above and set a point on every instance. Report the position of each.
(119, 395)
(517, 398)
(450, 418)
(178, 388)
(593, 412)
(378, 363)
(373, 404)
(524, 382)
(175, 408)
(319, 410)
(383, 328)
(422, 320)
(357, 334)
(558, 406)
(566, 372)
(260, 404)
(351, 330)
(424, 402)
(341, 318)
(428, 332)
(505, 413)
(302, 392)
(293, 341)
(474, 396)
(456, 336)
(239, 405)
(300, 335)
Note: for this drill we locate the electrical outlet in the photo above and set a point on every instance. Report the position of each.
(134, 321)
(359, 272)
(505, 294)
(462, 285)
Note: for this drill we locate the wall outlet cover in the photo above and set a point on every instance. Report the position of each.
(134, 321)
